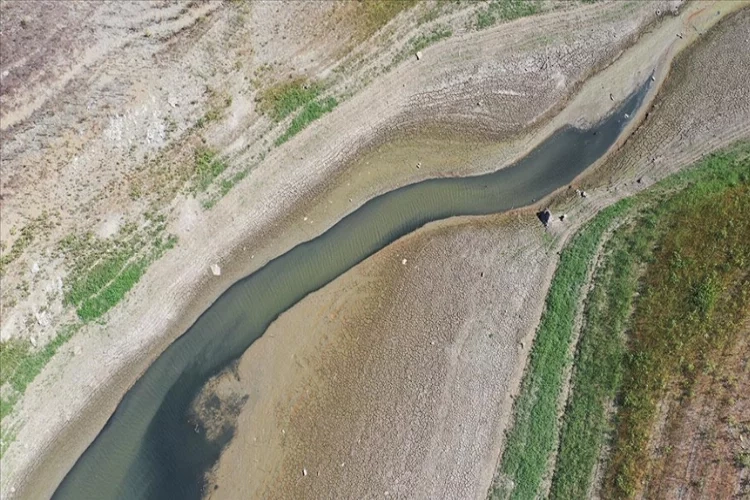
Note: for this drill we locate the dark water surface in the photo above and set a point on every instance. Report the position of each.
(149, 449)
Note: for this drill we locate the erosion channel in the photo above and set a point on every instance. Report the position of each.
(150, 448)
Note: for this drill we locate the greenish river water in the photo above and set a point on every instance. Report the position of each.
(150, 449)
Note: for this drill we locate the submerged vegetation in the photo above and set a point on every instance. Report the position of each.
(691, 234)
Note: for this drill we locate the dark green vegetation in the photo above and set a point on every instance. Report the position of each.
(505, 10)
(689, 239)
(311, 112)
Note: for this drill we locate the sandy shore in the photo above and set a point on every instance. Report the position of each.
(64, 409)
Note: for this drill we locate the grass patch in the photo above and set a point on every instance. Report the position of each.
(598, 373)
(368, 16)
(281, 100)
(225, 186)
(425, 40)
(20, 363)
(311, 112)
(102, 271)
(208, 166)
(108, 296)
(505, 10)
(533, 436)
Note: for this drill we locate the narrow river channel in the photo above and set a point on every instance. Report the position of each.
(150, 449)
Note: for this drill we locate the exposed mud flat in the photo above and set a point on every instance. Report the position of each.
(361, 382)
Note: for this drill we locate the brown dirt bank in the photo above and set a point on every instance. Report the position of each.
(387, 381)
(64, 409)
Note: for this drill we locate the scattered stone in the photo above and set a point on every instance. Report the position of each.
(34, 268)
(419, 55)
(611, 97)
(653, 78)
(403, 262)
(215, 269)
(419, 164)
(304, 219)
(583, 194)
(304, 472)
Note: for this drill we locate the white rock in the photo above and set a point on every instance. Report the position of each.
(403, 262)
(33, 341)
(215, 269)
(304, 472)
(419, 55)
(34, 268)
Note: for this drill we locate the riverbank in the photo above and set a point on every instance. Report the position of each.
(521, 473)
(346, 384)
(251, 233)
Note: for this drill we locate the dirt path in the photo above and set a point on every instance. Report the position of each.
(263, 216)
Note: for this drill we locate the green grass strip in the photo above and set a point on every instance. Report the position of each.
(598, 372)
(311, 112)
(533, 437)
